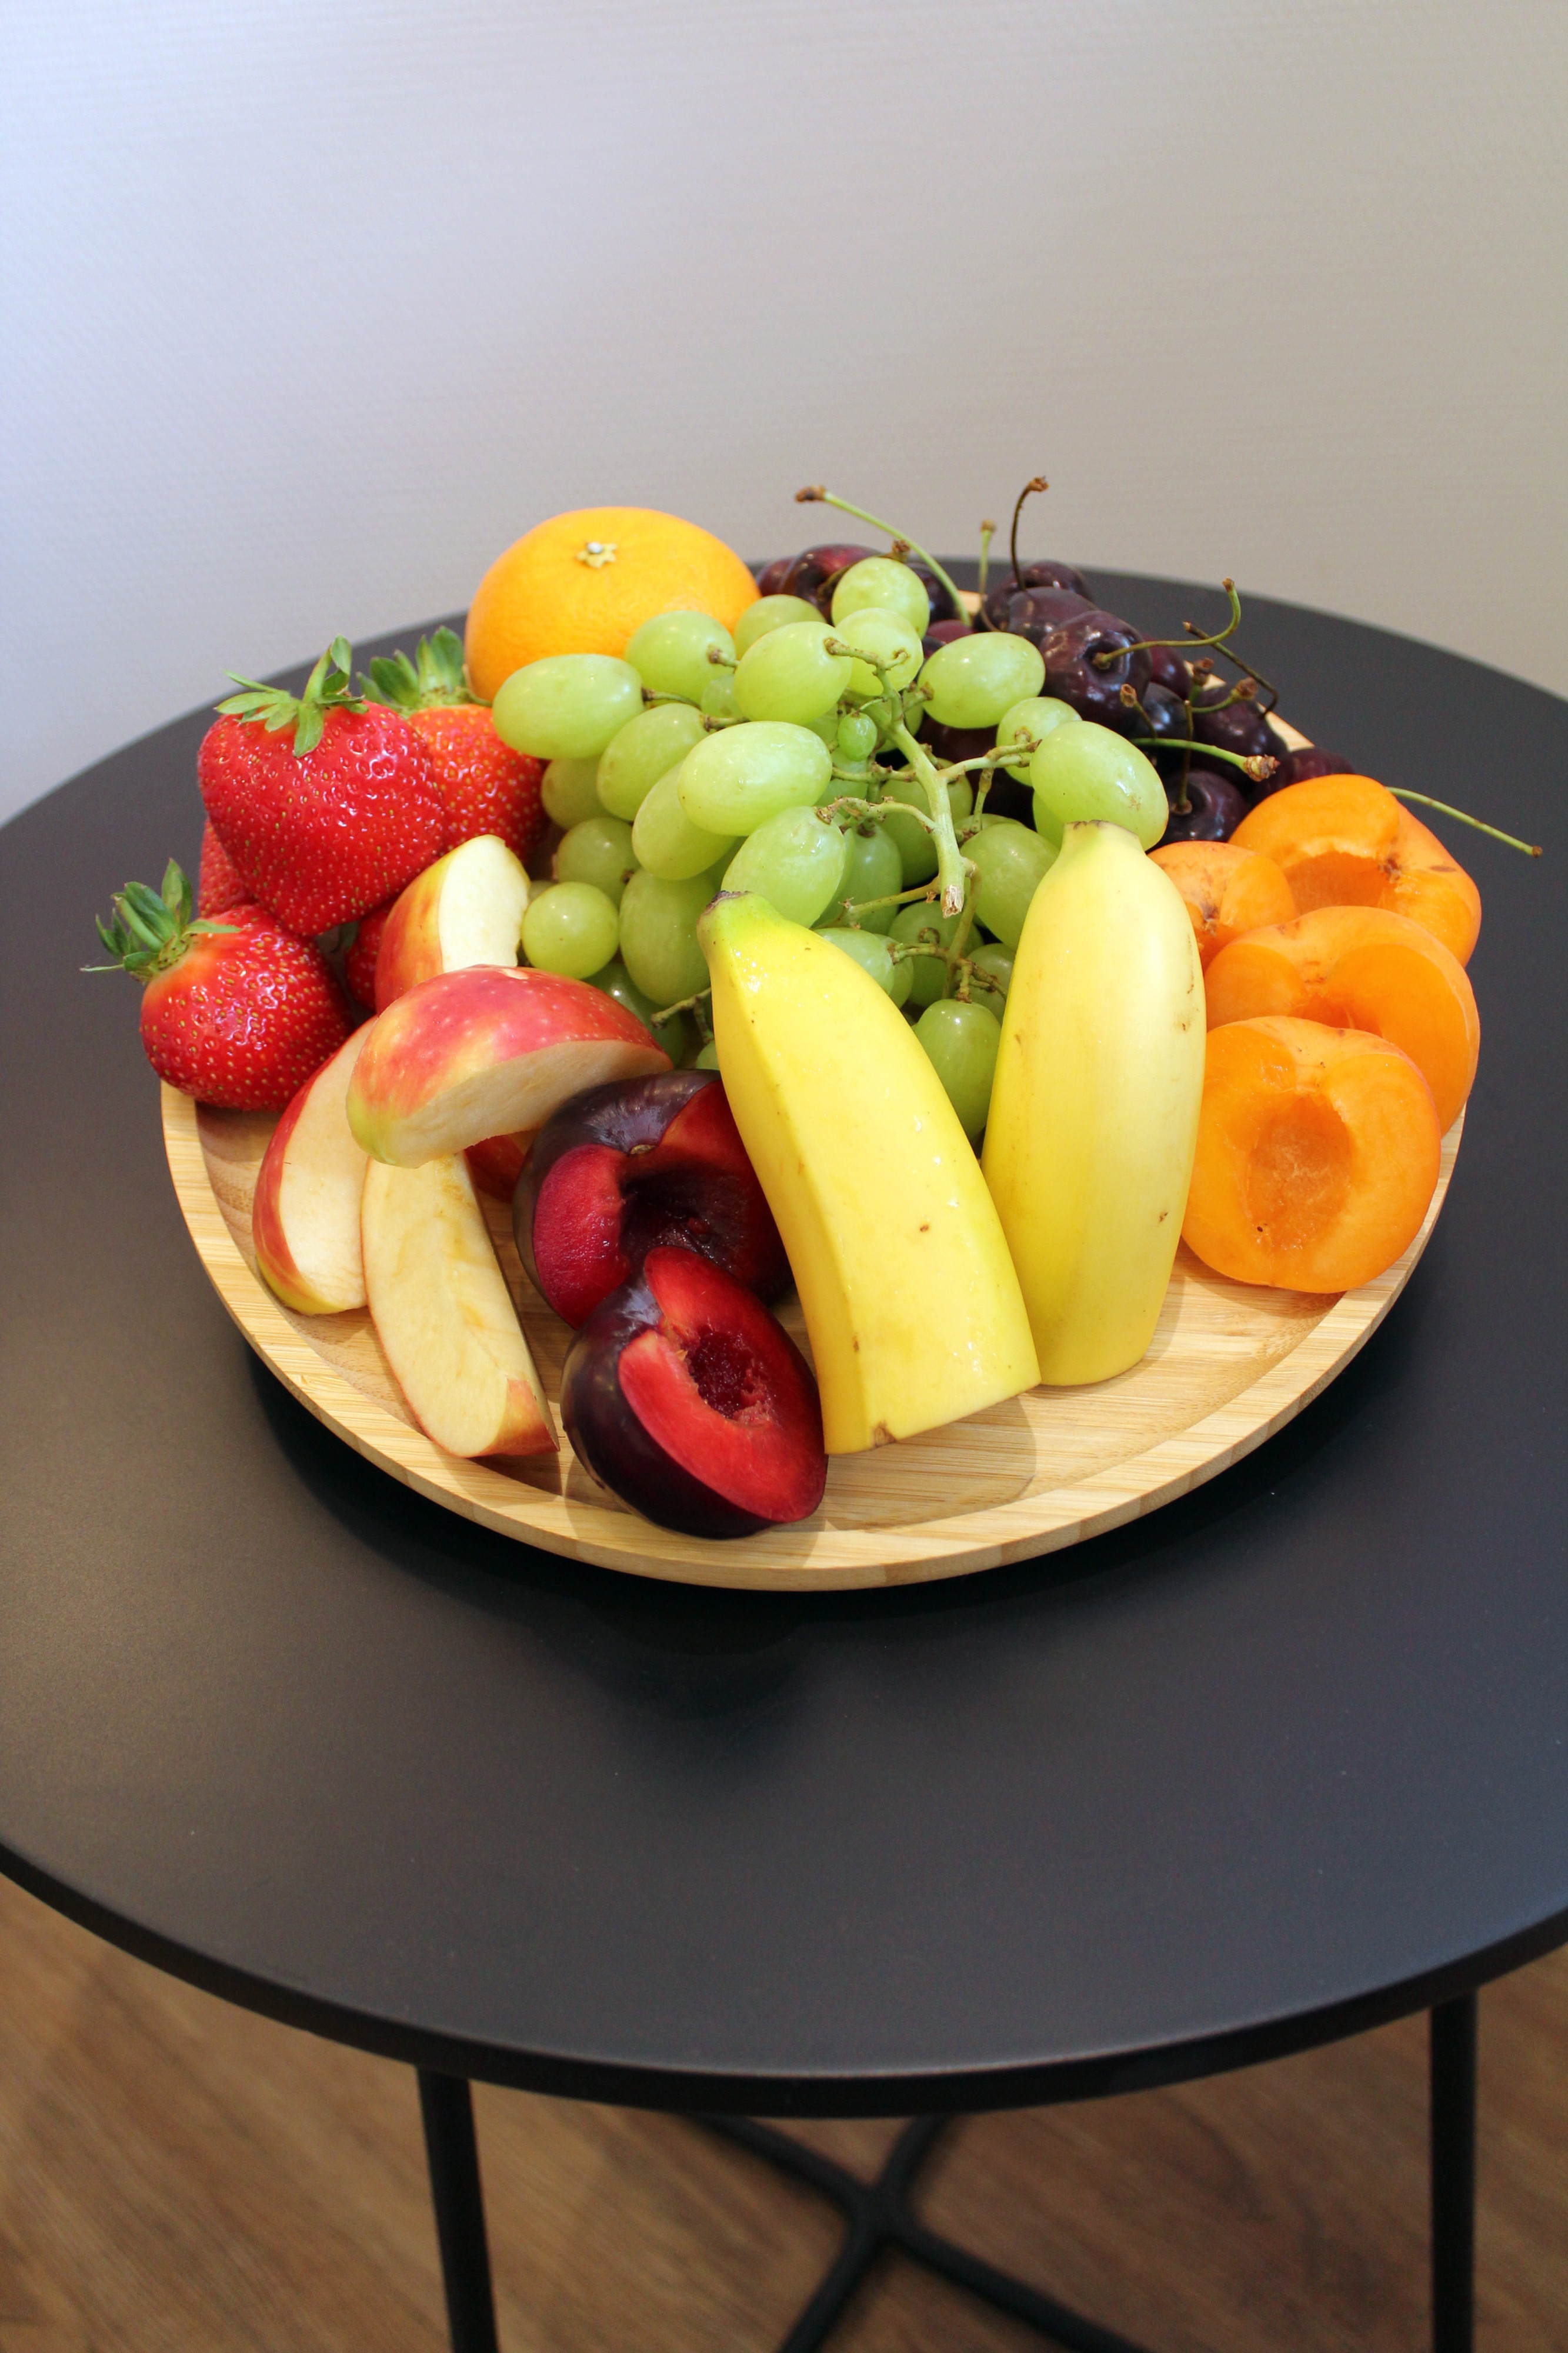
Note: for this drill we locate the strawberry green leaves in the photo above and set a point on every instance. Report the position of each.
(434, 679)
(330, 687)
(148, 932)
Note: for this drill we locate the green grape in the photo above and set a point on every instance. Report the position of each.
(599, 851)
(793, 861)
(976, 680)
(788, 675)
(914, 845)
(962, 1041)
(669, 653)
(1038, 715)
(857, 736)
(877, 581)
(646, 748)
(771, 613)
(667, 843)
(570, 792)
(884, 710)
(659, 946)
(617, 982)
(570, 928)
(872, 870)
(827, 728)
(1009, 861)
(568, 706)
(871, 952)
(1086, 772)
(886, 640)
(707, 1060)
(923, 922)
(996, 963)
(734, 781)
(718, 697)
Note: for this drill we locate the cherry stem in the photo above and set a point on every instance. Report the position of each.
(1035, 482)
(1183, 644)
(815, 493)
(1530, 849)
(987, 533)
(1259, 767)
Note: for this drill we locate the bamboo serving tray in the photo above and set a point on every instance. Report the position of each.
(1230, 1364)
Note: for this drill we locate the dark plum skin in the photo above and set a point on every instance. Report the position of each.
(1047, 573)
(625, 1167)
(1214, 807)
(685, 1397)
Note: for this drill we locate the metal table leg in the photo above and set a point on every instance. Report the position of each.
(1453, 2143)
(447, 2108)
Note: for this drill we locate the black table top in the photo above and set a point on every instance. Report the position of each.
(1281, 1760)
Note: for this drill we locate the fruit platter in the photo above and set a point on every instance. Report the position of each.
(810, 1077)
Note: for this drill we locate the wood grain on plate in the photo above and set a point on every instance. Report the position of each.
(1229, 1364)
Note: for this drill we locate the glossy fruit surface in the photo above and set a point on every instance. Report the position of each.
(794, 862)
(788, 673)
(917, 853)
(1359, 969)
(598, 850)
(570, 792)
(644, 750)
(872, 952)
(616, 981)
(360, 962)
(1045, 573)
(876, 582)
(1345, 841)
(1299, 767)
(771, 612)
(585, 582)
(907, 1288)
(1088, 774)
(1090, 658)
(872, 870)
(570, 928)
(1095, 1103)
(665, 842)
(1011, 862)
(1226, 890)
(624, 1169)
(1318, 1154)
(732, 782)
(1238, 727)
(1215, 806)
(684, 1397)
(671, 653)
(567, 706)
(975, 680)
(219, 883)
(961, 1041)
(922, 924)
(813, 572)
(659, 935)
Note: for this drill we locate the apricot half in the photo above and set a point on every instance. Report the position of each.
(1359, 969)
(1227, 890)
(1318, 1154)
(1343, 842)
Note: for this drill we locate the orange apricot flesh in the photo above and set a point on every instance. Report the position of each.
(1317, 1155)
(1343, 842)
(1359, 969)
(1228, 891)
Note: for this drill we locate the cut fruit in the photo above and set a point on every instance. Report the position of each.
(443, 1314)
(1317, 1155)
(484, 1053)
(684, 1397)
(1359, 969)
(465, 910)
(1343, 842)
(1228, 891)
(625, 1169)
(496, 1164)
(305, 1220)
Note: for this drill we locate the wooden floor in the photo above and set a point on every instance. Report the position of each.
(176, 2177)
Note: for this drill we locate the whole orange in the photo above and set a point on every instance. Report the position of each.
(582, 582)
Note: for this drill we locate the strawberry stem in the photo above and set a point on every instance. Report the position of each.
(148, 933)
(330, 687)
(433, 681)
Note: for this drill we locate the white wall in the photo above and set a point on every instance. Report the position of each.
(310, 309)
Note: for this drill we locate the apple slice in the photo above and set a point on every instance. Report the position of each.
(467, 909)
(305, 1216)
(485, 1052)
(443, 1314)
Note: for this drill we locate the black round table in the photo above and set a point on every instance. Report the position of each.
(1283, 1761)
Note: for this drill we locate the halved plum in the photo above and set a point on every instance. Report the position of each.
(684, 1397)
(631, 1167)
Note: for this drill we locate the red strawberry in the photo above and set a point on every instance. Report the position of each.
(359, 965)
(487, 787)
(219, 883)
(325, 825)
(238, 1014)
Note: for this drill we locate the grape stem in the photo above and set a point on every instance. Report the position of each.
(1530, 849)
(952, 866)
(878, 811)
(815, 492)
(687, 1005)
(926, 891)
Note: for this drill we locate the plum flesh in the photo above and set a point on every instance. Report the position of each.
(684, 1397)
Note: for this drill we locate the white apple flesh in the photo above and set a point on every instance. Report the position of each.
(443, 1314)
(467, 909)
(305, 1218)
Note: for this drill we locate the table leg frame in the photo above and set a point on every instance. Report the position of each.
(879, 2217)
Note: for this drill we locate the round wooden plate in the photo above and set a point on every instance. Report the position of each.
(1229, 1366)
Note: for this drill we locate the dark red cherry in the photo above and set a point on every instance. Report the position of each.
(1214, 807)
(769, 578)
(1048, 574)
(814, 572)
